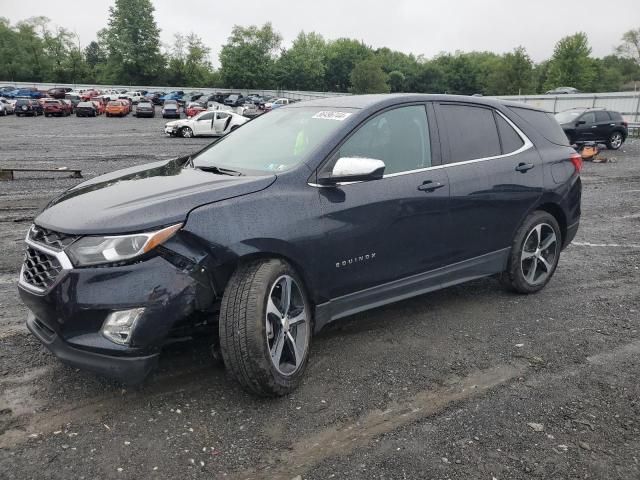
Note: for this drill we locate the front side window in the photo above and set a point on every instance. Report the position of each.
(589, 117)
(205, 116)
(472, 132)
(398, 137)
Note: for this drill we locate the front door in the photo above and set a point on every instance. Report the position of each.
(388, 229)
(203, 124)
(586, 127)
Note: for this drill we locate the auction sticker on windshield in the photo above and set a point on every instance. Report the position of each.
(329, 115)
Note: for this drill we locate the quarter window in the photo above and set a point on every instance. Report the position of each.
(472, 132)
(398, 137)
(509, 138)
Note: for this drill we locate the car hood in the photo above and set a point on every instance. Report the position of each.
(142, 198)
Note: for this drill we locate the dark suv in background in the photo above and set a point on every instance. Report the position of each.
(309, 214)
(594, 125)
(26, 106)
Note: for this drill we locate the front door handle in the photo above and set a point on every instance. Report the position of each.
(430, 186)
(524, 167)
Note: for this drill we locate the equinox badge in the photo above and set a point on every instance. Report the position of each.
(358, 259)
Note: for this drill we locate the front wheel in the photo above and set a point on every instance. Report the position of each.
(534, 255)
(186, 132)
(615, 141)
(265, 327)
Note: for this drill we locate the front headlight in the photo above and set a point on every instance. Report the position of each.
(117, 248)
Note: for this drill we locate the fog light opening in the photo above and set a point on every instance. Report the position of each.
(119, 325)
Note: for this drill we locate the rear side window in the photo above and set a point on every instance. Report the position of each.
(472, 132)
(398, 137)
(544, 123)
(509, 138)
(602, 116)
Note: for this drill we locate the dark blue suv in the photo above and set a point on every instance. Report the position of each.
(303, 216)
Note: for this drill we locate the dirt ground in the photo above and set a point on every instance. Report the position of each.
(467, 383)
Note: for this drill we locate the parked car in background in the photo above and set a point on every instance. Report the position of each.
(3, 110)
(8, 106)
(28, 107)
(175, 95)
(6, 89)
(68, 105)
(133, 96)
(53, 107)
(349, 203)
(594, 125)
(58, 92)
(155, 97)
(171, 109)
(562, 91)
(234, 100)
(145, 109)
(193, 109)
(250, 111)
(207, 123)
(277, 103)
(24, 93)
(87, 95)
(73, 98)
(117, 108)
(219, 106)
(86, 109)
(99, 104)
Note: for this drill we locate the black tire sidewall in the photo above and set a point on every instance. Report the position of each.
(513, 277)
(609, 145)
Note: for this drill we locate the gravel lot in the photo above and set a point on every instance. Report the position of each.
(469, 382)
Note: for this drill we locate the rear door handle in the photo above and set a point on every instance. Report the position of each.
(524, 167)
(430, 186)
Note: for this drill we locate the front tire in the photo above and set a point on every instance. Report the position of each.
(265, 327)
(615, 141)
(186, 132)
(534, 255)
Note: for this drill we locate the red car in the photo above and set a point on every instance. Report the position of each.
(68, 105)
(87, 95)
(193, 109)
(55, 107)
(100, 106)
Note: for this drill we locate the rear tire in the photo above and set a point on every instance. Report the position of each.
(615, 141)
(534, 255)
(265, 332)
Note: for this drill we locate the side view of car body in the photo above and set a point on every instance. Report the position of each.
(206, 123)
(594, 125)
(305, 215)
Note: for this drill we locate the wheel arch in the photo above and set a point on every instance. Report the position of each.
(557, 212)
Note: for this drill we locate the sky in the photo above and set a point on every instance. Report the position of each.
(411, 26)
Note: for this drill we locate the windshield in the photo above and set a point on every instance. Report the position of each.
(567, 117)
(274, 142)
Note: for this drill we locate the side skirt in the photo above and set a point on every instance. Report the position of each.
(478, 267)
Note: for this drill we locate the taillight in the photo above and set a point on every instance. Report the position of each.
(625, 124)
(576, 159)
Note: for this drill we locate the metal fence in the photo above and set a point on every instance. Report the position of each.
(627, 103)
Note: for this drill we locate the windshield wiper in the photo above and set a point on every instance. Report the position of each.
(219, 170)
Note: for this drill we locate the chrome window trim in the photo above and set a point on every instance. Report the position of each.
(60, 256)
(527, 144)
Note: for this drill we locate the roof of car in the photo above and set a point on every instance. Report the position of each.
(385, 100)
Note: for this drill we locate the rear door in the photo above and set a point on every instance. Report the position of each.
(604, 125)
(220, 122)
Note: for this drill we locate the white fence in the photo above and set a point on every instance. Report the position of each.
(627, 103)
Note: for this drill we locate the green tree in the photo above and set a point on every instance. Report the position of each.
(368, 77)
(630, 46)
(429, 78)
(512, 75)
(247, 59)
(571, 64)
(303, 66)
(132, 43)
(396, 81)
(189, 62)
(342, 56)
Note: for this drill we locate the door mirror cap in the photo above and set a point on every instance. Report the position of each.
(353, 169)
(581, 122)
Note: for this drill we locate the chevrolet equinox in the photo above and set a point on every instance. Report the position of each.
(310, 213)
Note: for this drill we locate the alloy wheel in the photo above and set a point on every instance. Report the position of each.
(539, 253)
(616, 140)
(187, 132)
(286, 325)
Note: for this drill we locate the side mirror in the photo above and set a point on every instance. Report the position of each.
(580, 122)
(353, 169)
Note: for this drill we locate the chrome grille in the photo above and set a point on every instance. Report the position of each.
(40, 270)
(51, 239)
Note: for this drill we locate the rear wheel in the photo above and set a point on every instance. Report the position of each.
(186, 132)
(265, 327)
(534, 255)
(615, 141)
